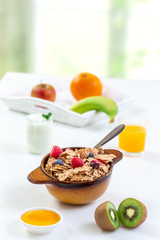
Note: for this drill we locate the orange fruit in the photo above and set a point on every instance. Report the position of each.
(85, 85)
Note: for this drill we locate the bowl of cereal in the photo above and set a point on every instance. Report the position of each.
(76, 175)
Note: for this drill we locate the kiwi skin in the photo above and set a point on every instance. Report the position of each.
(144, 216)
(102, 219)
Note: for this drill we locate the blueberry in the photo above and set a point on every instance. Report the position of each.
(91, 155)
(58, 162)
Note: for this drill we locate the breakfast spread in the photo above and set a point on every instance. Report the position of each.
(81, 165)
(78, 165)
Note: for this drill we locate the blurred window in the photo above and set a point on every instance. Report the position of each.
(109, 38)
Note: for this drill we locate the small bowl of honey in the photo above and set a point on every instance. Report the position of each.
(40, 220)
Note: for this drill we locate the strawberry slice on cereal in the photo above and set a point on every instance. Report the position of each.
(106, 163)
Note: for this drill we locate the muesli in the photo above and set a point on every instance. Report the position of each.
(78, 165)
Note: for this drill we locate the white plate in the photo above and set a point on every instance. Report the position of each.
(15, 91)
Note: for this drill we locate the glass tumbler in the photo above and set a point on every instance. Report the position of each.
(132, 139)
(39, 134)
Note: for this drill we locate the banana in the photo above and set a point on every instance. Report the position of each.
(102, 104)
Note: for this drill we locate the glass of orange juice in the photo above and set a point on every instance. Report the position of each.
(132, 139)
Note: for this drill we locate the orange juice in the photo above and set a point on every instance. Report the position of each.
(132, 138)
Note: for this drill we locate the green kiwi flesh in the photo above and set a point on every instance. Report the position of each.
(106, 216)
(132, 212)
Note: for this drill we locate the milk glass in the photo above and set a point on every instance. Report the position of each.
(39, 134)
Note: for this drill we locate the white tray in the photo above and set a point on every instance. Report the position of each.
(15, 91)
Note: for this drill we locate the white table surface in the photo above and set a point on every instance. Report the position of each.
(137, 177)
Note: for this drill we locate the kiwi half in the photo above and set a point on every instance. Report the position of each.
(132, 212)
(106, 216)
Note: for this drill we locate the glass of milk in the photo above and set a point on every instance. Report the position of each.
(39, 133)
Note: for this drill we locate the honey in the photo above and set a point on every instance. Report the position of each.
(41, 217)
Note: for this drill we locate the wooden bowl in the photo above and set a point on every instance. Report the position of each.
(74, 192)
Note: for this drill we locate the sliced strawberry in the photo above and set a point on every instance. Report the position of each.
(106, 163)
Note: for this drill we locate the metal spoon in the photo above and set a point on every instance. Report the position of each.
(110, 135)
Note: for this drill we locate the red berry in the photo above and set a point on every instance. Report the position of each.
(102, 161)
(77, 162)
(56, 151)
(95, 163)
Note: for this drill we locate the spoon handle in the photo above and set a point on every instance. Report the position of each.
(111, 135)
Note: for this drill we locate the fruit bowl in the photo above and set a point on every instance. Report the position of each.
(74, 192)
